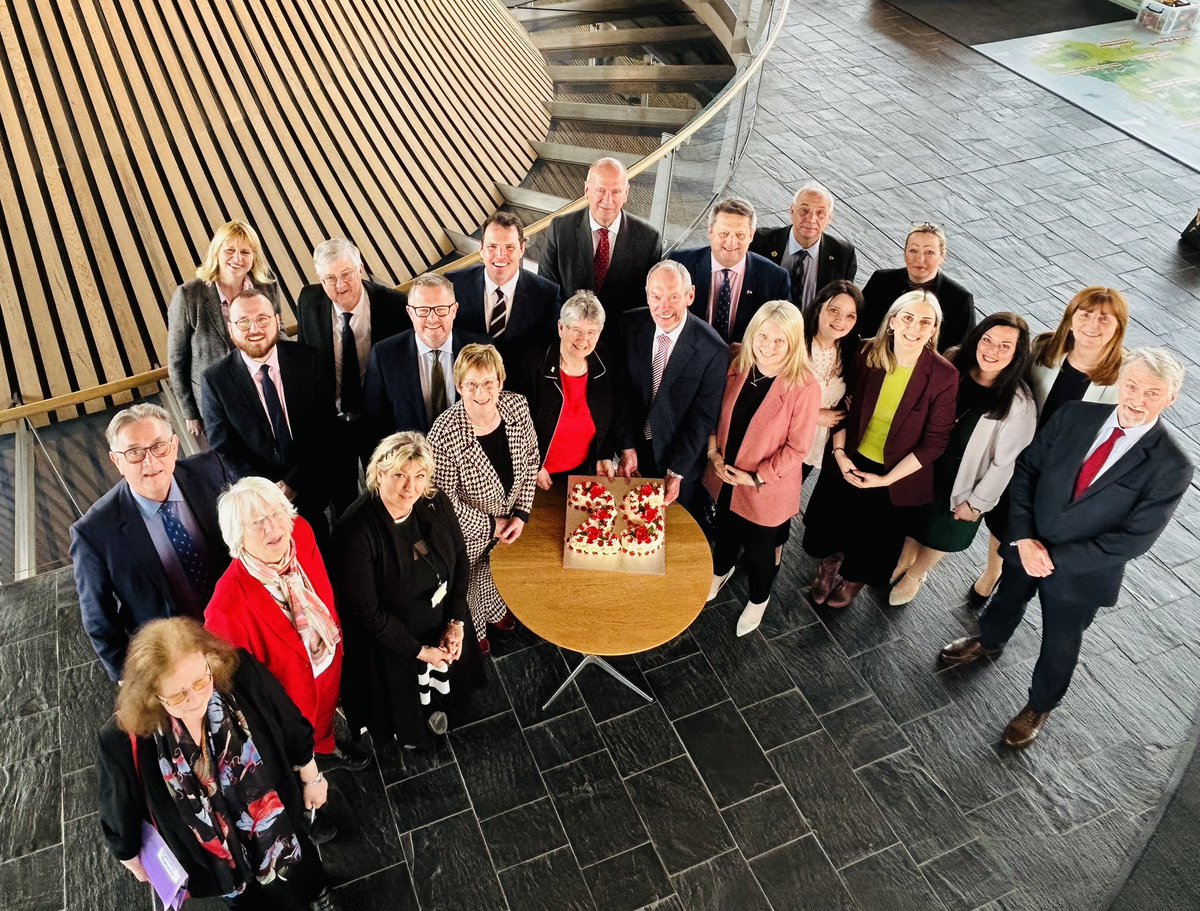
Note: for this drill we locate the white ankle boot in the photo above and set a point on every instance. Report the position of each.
(751, 617)
(718, 582)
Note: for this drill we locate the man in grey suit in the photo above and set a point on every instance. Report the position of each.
(1095, 489)
(603, 249)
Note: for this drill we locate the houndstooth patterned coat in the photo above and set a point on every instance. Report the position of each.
(468, 479)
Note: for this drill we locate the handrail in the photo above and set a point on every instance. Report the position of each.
(718, 104)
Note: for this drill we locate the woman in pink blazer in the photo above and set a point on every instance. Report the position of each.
(756, 458)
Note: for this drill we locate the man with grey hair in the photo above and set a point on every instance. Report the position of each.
(150, 547)
(812, 257)
(602, 248)
(731, 282)
(1095, 489)
(344, 316)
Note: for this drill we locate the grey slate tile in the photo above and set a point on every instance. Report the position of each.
(764, 822)
(684, 826)
(629, 881)
(640, 739)
(801, 868)
(523, 833)
(595, 808)
(551, 882)
(496, 765)
(451, 869)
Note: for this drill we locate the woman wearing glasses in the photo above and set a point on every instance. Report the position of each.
(924, 253)
(203, 746)
(487, 464)
(199, 309)
(276, 602)
(880, 464)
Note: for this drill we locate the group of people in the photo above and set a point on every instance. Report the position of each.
(332, 545)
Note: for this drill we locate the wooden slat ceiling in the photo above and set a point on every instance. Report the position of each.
(131, 130)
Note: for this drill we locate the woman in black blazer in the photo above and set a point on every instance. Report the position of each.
(400, 571)
(190, 712)
(570, 392)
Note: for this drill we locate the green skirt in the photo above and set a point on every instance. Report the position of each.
(936, 526)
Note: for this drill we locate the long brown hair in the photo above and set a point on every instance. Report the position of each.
(153, 653)
(1050, 348)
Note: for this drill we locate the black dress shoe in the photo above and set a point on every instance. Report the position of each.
(340, 759)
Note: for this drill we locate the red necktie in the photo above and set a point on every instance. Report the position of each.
(603, 257)
(1094, 462)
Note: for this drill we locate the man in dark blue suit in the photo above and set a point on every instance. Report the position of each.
(268, 409)
(150, 547)
(731, 283)
(1095, 489)
(674, 377)
(410, 379)
(512, 306)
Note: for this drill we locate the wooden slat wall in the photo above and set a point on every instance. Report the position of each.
(131, 130)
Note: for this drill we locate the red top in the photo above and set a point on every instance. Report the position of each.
(575, 431)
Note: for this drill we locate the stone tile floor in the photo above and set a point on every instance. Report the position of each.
(824, 761)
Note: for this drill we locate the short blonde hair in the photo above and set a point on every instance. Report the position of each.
(260, 272)
(400, 449)
(237, 503)
(879, 351)
(154, 651)
(791, 323)
(477, 357)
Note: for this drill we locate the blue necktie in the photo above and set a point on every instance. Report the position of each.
(724, 305)
(283, 437)
(189, 554)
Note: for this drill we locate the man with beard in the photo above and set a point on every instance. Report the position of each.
(269, 411)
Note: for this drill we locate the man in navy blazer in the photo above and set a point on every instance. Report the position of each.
(602, 248)
(401, 392)
(269, 410)
(1095, 489)
(812, 257)
(730, 282)
(128, 568)
(512, 306)
(667, 423)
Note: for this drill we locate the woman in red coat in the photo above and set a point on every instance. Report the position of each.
(275, 601)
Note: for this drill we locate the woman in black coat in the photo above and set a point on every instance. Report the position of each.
(190, 713)
(400, 573)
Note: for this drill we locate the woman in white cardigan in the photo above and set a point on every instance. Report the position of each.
(995, 420)
(1078, 361)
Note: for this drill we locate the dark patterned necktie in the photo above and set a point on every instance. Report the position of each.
(724, 305)
(437, 387)
(352, 392)
(799, 268)
(603, 259)
(658, 368)
(190, 557)
(499, 319)
(283, 436)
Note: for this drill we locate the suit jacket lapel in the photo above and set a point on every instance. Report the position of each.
(824, 264)
(324, 327)
(412, 378)
(1129, 462)
(584, 254)
(251, 403)
(141, 546)
(915, 388)
(214, 315)
(189, 486)
(679, 357)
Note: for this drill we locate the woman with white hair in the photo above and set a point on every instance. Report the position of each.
(275, 601)
(880, 464)
(401, 572)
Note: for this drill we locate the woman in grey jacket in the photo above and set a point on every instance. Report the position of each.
(196, 333)
(996, 419)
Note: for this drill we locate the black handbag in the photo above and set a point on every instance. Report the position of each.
(1191, 234)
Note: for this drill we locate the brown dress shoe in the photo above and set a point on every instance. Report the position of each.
(825, 580)
(843, 595)
(1024, 729)
(967, 651)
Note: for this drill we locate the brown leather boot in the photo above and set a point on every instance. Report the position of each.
(843, 595)
(825, 580)
(1024, 729)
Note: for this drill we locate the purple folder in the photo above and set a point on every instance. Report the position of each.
(167, 876)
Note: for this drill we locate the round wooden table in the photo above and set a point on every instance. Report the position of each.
(594, 612)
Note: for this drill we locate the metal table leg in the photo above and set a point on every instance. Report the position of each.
(601, 663)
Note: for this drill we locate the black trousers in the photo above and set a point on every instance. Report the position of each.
(1064, 621)
(305, 882)
(757, 542)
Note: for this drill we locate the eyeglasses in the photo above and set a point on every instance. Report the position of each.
(485, 386)
(440, 310)
(278, 517)
(198, 686)
(138, 453)
(259, 322)
(342, 278)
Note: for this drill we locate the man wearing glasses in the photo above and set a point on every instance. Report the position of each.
(343, 317)
(150, 547)
(269, 410)
(410, 377)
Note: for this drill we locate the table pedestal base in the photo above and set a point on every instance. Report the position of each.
(599, 662)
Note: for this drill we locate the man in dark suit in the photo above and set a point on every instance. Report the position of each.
(269, 409)
(730, 282)
(343, 317)
(924, 253)
(674, 377)
(410, 380)
(1095, 488)
(513, 307)
(604, 249)
(151, 547)
(811, 257)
